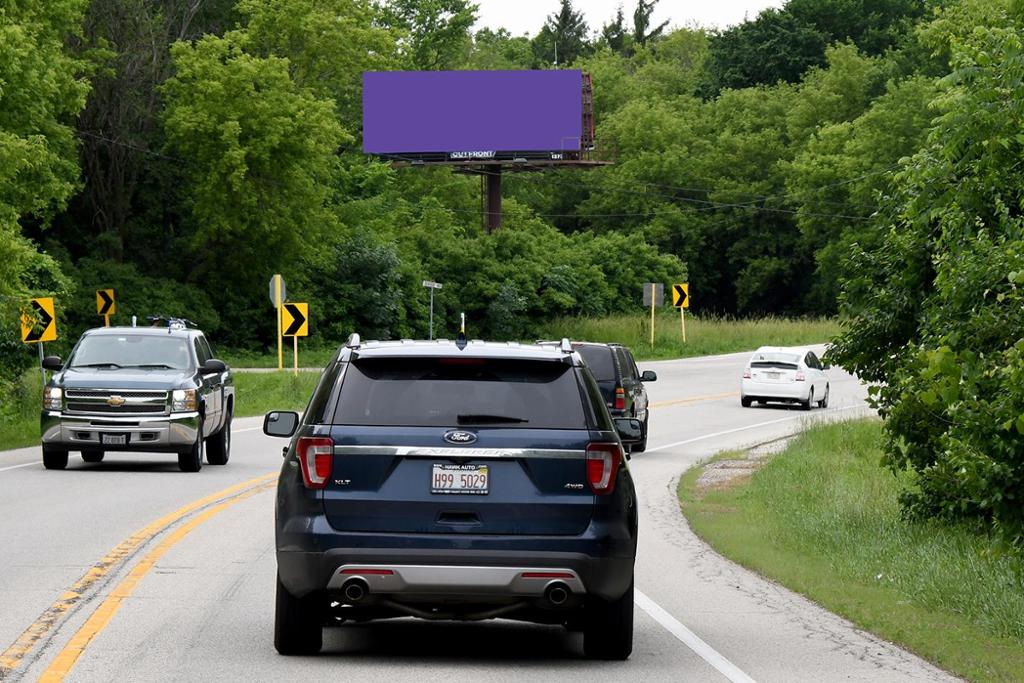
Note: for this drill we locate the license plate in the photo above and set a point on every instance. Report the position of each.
(472, 479)
(774, 375)
(114, 439)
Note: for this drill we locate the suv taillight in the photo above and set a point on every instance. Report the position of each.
(316, 457)
(603, 461)
(620, 398)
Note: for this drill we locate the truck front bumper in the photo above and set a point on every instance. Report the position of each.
(174, 432)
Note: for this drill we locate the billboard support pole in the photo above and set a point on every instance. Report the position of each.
(493, 199)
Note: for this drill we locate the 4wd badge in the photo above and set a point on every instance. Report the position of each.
(459, 437)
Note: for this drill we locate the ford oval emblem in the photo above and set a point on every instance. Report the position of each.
(459, 437)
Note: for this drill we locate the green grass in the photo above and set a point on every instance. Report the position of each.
(19, 412)
(308, 358)
(704, 336)
(259, 392)
(823, 519)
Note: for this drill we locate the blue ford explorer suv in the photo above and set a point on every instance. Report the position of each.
(456, 481)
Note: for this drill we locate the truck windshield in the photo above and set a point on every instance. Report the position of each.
(132, 351)
(449, 392)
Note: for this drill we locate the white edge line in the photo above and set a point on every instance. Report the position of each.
(753, 426)
(691, 639)
(14, 467)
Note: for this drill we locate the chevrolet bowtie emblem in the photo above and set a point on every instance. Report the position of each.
(115, 401)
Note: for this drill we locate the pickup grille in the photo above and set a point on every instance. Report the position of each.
(131, 402)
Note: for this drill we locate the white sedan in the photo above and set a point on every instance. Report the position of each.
(788, 375)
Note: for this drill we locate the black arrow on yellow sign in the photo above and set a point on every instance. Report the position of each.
(681, 295)
(298, 325)
(105, 302)
(40, 324)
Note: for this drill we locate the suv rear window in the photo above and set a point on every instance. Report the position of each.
(449, 392)
(599, 359)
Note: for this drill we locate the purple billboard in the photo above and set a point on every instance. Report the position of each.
(472, 114)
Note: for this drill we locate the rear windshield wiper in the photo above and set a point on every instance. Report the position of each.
(96, 365)
(473, 418)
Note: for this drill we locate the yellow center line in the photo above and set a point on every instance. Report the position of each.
(693, 399)
(30, 637)
(64, 661)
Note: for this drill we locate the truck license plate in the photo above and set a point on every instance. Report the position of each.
(114, 439)
(473, 479)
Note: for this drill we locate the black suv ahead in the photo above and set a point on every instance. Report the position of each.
(456, 481)
(622, 384)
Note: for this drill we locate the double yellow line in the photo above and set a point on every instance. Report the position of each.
(694, 399)
(55, 613)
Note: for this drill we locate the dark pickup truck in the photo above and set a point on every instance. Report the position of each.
(156, 389)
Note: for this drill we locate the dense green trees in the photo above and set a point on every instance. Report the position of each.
(935, 309)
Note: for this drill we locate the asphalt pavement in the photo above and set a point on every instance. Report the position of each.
(132, 570)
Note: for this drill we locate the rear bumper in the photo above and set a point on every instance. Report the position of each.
(454, 573)
(145, 433)
(779, 391)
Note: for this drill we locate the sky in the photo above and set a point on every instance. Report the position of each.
(527, 16)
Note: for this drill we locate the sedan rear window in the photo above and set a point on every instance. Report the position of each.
(449, 392)
(599, 359)
(787, 361)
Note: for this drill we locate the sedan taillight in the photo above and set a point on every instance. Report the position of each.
(316, 458)
(603, 460)
(800, 376)
(746, 374)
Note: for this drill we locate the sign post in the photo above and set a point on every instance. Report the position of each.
(681, 300)
(432, 286)
(278, 293)
(106, 304)
(295, 324)
(654, 294)
(38, 325)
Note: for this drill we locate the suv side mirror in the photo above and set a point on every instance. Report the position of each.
(630, 430)
(213, 367)
(53, 363)
(649, 376)
(280, 423)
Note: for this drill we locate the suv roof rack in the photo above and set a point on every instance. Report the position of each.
(566, 345)
(353, 341)
(172, 322)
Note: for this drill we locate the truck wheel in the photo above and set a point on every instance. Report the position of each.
(192, 459)
(55, 458)
(218, 446)
(92, 456)
(608, 632)
(298, 623)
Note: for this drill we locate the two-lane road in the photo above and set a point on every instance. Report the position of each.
(131, 570)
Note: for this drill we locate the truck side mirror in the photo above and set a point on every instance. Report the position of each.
(53, 363)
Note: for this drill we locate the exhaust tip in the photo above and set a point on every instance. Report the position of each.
(355, 590)
(557, 594)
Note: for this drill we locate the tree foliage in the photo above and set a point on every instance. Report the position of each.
(935, 311)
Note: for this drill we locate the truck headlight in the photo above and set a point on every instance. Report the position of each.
(183, 399)
(52, 398)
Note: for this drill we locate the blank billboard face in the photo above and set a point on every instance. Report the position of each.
(472, 113)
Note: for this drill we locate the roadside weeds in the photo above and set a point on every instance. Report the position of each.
(822, 518)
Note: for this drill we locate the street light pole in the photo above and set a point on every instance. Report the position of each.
(432, 286)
